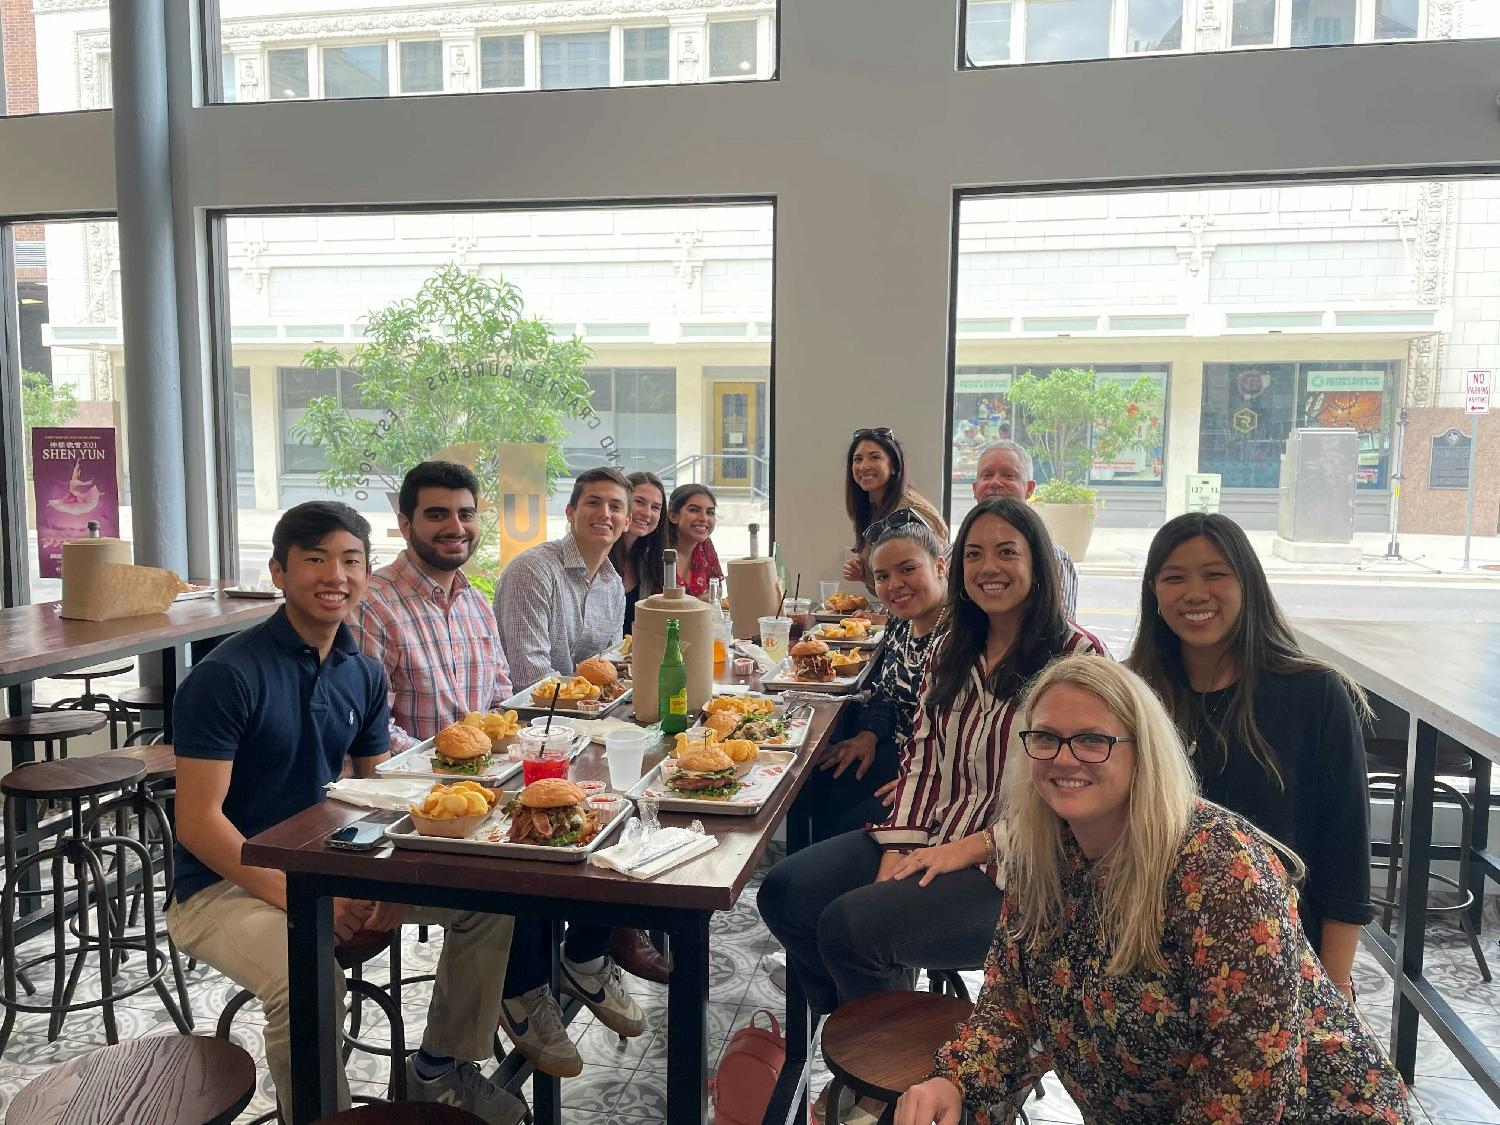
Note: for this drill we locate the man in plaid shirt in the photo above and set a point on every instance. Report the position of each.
(433, 632)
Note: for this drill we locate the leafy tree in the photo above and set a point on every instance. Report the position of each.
(458, 363)
(1072, 418)
(43, 403)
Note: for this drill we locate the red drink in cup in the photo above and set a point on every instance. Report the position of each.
(546, 767)
(544, 753)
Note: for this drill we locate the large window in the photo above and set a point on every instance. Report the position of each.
(56, 58)
(659, 319)
(68, 289)
(345, 49)
(1036, 31)
(1250, 311)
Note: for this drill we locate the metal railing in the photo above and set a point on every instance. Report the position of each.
(694, 469)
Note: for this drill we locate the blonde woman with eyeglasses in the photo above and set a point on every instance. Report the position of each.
(1149, 948)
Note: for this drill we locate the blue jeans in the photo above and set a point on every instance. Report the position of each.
(847, 936)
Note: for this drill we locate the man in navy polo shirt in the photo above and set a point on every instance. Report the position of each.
(263, 724)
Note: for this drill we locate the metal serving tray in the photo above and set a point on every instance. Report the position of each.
(798, 721)
(521, 701)
(405, 835)
(416, 764)
(780, 678)
(766, 774)
(871, 641)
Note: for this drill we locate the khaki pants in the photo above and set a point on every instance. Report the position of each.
(244, 937)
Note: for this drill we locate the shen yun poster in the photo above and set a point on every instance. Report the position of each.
(75, 476)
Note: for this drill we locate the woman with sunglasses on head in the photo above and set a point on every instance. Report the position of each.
(875, 486)
(692, 515)
(637, 553)
(1272, 733)
(908, 566)
(1149, 942)
(851, 920)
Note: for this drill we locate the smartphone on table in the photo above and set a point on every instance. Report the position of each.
(365, 834)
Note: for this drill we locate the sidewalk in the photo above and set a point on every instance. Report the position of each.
(1425, 559)
(1121, 552)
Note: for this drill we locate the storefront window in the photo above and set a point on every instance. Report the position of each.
(1357, 396)
(1249, 410)
(982, 415)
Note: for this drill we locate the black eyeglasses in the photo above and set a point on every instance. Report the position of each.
(899, 518)
(878, 431)
(1089, 747)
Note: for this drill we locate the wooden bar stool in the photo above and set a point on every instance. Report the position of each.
(162, 1080)
(880, 1045)
(402, 1113)
(78, 850)
(134, 703)
(51, 728)
(92, 700)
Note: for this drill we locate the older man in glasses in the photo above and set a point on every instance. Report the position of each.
(1004, 469)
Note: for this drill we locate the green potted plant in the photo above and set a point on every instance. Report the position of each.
(1073, 418)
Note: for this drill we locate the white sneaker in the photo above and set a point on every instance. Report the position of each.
(534, 1023)
(464, 1087)
(604, 993)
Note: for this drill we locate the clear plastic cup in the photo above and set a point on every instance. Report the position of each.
(624, 751)
(545, 753)
(826, 590)
(800, 611)
(775, 636)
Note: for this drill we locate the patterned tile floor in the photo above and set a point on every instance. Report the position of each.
(628, 1083)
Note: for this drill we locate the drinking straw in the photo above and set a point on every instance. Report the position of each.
(556, 695)
(781, 603)
(797, 592)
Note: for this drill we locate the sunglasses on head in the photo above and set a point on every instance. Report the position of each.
(899, 518)
(878, 431)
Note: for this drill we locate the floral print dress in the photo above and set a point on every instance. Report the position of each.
(1244, 1028)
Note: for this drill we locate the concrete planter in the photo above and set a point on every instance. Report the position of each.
(1071, 525)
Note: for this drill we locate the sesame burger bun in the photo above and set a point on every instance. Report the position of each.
(704, 759)
(551, 793)
(810, 647)
(460, 743)
(598, 672)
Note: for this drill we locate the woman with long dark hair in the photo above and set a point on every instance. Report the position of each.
(1148, 943)
(909, 568)
(875, 485)
(692, 515)
(1273, 733)
(637, 553)
(851, 919)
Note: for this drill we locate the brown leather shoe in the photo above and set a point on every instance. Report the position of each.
(633, 952)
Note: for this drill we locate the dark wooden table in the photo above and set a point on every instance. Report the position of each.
(1445, 678)
(36, 642)
(680, 902)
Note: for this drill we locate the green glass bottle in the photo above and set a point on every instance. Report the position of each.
(671, 684)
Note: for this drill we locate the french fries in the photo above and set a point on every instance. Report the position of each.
(739, 705)
(844, 659)
(462, 798)
(497, 726)
(567, 691)
(850, 629)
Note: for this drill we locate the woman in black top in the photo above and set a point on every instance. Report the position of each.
(1273, 733)
(637, 553)
(909, 567)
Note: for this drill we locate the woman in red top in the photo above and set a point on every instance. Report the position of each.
(692, 515)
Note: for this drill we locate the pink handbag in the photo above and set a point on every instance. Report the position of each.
(748, 1070)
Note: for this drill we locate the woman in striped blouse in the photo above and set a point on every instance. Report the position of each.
(852, 921)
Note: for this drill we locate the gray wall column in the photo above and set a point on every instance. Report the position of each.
(148, 283)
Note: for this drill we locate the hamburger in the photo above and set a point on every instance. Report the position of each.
(461, 749)
(810, 661)
(552, 813)
(705, 773)
(603, 675)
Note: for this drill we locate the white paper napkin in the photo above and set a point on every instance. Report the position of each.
(378, 793)
(755, 653)
(621, 856)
